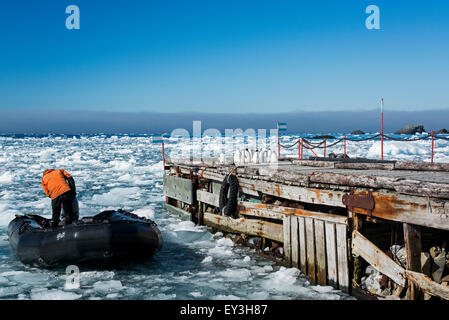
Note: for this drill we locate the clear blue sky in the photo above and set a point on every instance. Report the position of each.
(224, 55)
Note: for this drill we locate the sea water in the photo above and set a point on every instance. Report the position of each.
(125, 171)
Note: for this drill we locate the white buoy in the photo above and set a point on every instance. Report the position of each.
(222, 158)
(262, 156)
(273, 157)
(247, 157)
(237, 157)
(255, 157)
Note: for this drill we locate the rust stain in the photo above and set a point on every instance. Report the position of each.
(390, 207)
(278, 190)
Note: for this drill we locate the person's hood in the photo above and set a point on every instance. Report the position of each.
(48, 171)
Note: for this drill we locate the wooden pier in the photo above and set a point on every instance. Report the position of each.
(330, 218)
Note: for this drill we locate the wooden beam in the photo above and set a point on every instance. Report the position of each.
(342, 257)
(377, 258)
(412, 240)
(251, 227)
(320, 247)
(310, 245)
(421, 211)
(331, 253)
(421, 166)
(302, 245)
(207, 197)
(424, 282)
(294, 241)
(175, 210)
(287, 241)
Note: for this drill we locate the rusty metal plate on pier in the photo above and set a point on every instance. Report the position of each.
(178, 188)
(362, 201)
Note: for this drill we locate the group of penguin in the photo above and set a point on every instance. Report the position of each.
(253, 157)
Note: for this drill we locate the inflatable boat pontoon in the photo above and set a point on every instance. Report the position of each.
(108, 237)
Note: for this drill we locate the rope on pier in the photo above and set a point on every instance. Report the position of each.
(323, 144)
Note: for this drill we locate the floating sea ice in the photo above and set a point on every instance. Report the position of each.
(6, 178)
(29, 278)
(117, 196)
(53, 294)
(241, 274)
(282, 280)
(162, 296)
(195, 294)
(261, 295)
(109, 285)
(207, 259)
(225, 297)
(146, 212)
(9, 291)
(225, 242)
(6, 214)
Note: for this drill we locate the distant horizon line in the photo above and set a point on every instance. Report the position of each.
(215, 113)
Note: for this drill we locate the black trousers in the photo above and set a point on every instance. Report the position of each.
(64, 200)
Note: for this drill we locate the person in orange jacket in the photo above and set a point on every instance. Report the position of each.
(59, 185)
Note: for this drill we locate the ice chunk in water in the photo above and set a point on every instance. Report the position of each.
(9, 291)
(53, 294)
(110, 285)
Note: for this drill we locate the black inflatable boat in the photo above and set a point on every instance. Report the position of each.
(109, 237)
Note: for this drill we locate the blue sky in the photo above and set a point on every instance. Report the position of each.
(232, 56)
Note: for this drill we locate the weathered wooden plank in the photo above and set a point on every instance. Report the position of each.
(310, 244)
(412, 240)
(378, 259)
(365, 165)
(287, 240)
(423, 188)
(252, 227)
(320, 247)
(178, 188)
(427, 284)
(354, 180)
(282, 174)
(302, 245)
(207, 197)
(278, 212)
(176, 210)
(342, 258)
(313, 163)
(409, 209)
(331, 253)
(294, 241)
(421, 166)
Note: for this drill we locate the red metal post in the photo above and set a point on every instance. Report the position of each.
(431, 157)
(279, 144)
(163, 150)
(301, 148)
(345, 146)
(382, 130)
(324, 147)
